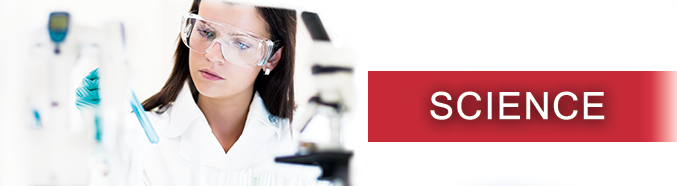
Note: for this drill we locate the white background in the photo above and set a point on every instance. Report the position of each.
(406, 35)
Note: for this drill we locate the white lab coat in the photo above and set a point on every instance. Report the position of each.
(188, 153)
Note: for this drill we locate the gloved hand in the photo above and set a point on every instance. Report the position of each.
(87, 98)
(87, 95)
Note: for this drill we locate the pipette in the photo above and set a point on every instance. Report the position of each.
(143, 119)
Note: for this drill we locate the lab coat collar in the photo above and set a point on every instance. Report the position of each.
(184, 111)
(199, 145)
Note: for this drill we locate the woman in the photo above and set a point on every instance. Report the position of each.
(224, 112)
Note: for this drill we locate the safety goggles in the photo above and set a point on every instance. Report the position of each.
(238, 46)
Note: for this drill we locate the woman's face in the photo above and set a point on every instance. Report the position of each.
(214, 76)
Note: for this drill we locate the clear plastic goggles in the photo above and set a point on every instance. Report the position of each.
(238, 46)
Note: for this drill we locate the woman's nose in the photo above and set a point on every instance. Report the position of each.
(215, 55)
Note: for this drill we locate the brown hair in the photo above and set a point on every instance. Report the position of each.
(276, 90)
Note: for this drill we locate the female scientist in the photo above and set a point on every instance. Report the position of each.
(225, 111)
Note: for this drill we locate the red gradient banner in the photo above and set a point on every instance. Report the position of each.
(400, 106)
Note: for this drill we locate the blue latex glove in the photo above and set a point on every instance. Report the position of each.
(87, 95)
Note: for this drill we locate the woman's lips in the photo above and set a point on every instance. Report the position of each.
(210, 75)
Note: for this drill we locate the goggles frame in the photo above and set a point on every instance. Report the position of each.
(187, 28)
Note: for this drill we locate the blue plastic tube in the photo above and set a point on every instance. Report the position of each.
(143, 119)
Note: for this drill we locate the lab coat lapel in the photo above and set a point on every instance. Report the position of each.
(258, 115)
(183, 113)
(199, 145)
(259, 130)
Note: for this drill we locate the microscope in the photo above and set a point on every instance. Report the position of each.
(335, 97)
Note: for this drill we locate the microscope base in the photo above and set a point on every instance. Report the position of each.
(334, 164)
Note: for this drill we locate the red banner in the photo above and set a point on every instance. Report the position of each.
(564, 106)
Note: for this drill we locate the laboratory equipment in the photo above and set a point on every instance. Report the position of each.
(143, 119)
(332, 73)
(58, 28)
(58, 54)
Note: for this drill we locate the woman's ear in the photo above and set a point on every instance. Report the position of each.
(274, 60)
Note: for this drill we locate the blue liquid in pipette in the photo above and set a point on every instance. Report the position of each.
(143, 119)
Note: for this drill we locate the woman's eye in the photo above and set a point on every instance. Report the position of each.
(242, 46)
(207, 33)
